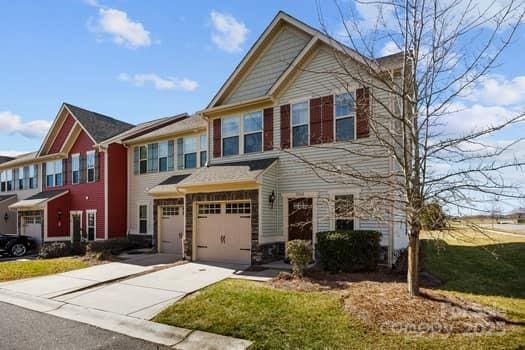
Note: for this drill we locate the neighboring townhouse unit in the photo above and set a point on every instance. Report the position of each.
(19, 179)
(273, 115)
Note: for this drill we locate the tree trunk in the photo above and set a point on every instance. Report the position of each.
(413, 264)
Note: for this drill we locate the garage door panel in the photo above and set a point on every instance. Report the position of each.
(32, 227)
(172, 230)
(224, 233)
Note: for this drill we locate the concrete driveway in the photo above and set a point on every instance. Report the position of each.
(145, 296)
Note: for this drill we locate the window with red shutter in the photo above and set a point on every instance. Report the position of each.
(363, 112)
(328, 118)
(316, 136)
(268, 129)
(285, 126)
(217, 138)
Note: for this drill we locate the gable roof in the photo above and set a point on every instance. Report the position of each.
(267, 35)
(4, 159)
(23, 159)
(99, 126)
(6, 197)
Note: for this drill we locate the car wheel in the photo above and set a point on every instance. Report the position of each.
(18, 249)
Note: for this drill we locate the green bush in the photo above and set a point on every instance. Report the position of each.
(348, 251)
(300, 253)
(55, 250)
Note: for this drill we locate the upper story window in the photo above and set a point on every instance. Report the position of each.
(163, 156)
(203, 144)
(33, 179)
(75, 168)
(90, 165)
(9, 180)
(143, 160)
(190, 152)
(21, 182)
(300, 132)
(230, 136)
(3, 181)
(344, 117)
(252, 128)
(54, 173)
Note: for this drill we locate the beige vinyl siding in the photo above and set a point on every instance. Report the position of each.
(295, 176)
(279, 55)
(271, 217)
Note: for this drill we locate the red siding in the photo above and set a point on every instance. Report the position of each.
(86, 195)
(117, 191)
(62, 135)
(58, 227)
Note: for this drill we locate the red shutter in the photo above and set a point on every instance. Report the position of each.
(362, 112)
(268, 129)
(315, 121)
(328, 118)
(285, 126)
(217, 138)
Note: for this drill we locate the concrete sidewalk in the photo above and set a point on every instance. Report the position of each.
(125, 305)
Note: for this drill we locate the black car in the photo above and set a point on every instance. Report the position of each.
(16, 245)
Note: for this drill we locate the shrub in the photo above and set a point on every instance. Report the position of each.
(300, 253)
(349, 251)
(109, 247)
(55, 250)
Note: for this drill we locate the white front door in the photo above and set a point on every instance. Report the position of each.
(223, 232)
(171, 230)
(32, 227)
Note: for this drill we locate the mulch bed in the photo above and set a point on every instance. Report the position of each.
(381, 299)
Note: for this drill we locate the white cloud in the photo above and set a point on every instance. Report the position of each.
(160, 83)
(390, 48)
(11, 153)
(121, 28)
(464, 118)
(228, 33)
(497, 89)
(11, 123)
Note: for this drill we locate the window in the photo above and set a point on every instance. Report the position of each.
(91, 225)
(163, 156)
(204, 150)
(209, 208)
(252, 127)
(190, 152)
(171, 211)
(9, 180)
(20, 174)
(300, 124)
(230, 136)
(143, 219)
(50, 171)
(58, 172)
(344, 117)
(344, 212)
(238, 208)
(75, 168)
(3, 179)
(32, 177)
(26, 179)
(90, 165)
(143, 160)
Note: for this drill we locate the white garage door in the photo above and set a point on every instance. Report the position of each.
(224, 232)
(32, 227)
(171, 230)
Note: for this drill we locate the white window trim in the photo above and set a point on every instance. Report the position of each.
(139, 204)
(342, 192)
(307, 101)
(92, 211)
(88, 153)
(75, 155)
(197, 151)
(141, 159)
(52, 175)
(346, 116)
(239, 135)
(201, 149)
(260, 131)
(159, 157)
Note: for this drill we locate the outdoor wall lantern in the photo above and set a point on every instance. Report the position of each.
(6, 217)
(271, 199)
(59, 214)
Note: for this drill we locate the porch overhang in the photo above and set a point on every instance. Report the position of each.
(38, 201)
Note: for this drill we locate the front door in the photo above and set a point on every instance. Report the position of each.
(300, 219)
(76, 225)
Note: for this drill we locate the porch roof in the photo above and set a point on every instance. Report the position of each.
(6, 197)
(38, 200)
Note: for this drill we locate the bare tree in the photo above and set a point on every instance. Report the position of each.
(446, 48)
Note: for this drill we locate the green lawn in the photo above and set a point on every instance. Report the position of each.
(279, 319)
(14, 270)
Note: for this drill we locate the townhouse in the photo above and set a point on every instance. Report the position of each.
(231, 184)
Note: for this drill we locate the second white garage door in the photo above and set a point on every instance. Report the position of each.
(224, 232)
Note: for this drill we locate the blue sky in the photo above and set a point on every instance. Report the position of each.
(138, 60)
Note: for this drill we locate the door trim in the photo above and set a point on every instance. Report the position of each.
(294, 195)
(71, 213)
